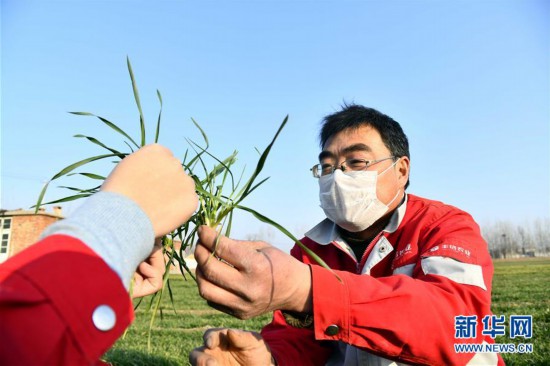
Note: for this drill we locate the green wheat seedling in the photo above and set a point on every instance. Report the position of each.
(220, 191)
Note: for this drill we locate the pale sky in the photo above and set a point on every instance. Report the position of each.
(469, 81)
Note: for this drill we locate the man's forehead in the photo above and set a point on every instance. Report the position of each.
(354, 147)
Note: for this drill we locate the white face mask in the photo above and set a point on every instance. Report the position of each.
(349, 198)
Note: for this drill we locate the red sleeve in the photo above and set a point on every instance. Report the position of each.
(294, 346)
(410, 319)
(48, 295)
(395, 317)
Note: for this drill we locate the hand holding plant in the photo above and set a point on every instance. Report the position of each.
(219, 190)
(150, 176)
(150, 272)
(251, 278)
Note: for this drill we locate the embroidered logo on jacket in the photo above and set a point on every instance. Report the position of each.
(450, 247)
(402, 252)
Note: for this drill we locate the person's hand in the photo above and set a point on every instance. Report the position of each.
(251, 278)
(148, 277)
(154, 179)
(225, 347)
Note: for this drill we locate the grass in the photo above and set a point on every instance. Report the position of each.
(520, 287)
(175, 332)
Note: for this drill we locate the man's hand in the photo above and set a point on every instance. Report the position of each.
(148, 277)
(251, 278)
(154, 179)
(227, 347)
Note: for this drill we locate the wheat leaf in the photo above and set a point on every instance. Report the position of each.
(69, 198)
(99, 143)
(73, 166)
(41, 196)
(308, 251)
(89, 175)
(89, 190)
(138, 103)
(159, 117)
(108, 123)
(261, 162)
(202, 133)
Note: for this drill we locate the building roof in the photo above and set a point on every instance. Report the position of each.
(57, 212)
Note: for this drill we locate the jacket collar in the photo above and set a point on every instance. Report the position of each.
(326, 231)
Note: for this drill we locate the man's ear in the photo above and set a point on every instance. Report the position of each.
(402, 169)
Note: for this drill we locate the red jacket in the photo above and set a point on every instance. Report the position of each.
(399, 302)
(50, 305)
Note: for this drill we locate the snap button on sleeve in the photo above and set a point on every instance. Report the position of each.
(332, 330)
(104, 318)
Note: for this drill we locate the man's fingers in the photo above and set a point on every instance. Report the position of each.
(218, 281)
(241, 339)
(198, 357)
(146, 280)
(217, 243)
(229, 338)
(212, 338)
(138, 279)
(216, 295)
(146, 270)
(156, 259)
(216, 270)
(236, 252)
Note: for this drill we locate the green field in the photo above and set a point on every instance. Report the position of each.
(520, 287)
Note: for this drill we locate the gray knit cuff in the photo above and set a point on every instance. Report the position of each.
(115, 227)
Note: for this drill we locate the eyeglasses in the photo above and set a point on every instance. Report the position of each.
(320, 170)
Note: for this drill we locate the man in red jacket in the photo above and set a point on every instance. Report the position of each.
(64, 300)
(403, 268)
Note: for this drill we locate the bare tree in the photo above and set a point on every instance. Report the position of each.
(492, 237)
(265, 233)
(541, 235)
(507, 240)
(525, 241)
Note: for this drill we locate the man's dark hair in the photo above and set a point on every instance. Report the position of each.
(354, 116)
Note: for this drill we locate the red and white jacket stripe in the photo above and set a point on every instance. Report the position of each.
(398, 303)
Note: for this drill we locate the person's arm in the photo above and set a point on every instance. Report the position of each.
(291, 345)
(291, 337)
(260, 279)
(63, 300)
(399, 317)
(411, 319)
(287, 345)
(60, 304)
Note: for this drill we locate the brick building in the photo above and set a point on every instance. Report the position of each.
(21, 228)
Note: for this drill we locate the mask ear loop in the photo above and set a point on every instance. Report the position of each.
(397, 193)
(394, 197)
(388, 168)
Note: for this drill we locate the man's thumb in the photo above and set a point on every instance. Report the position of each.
(242, 339)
